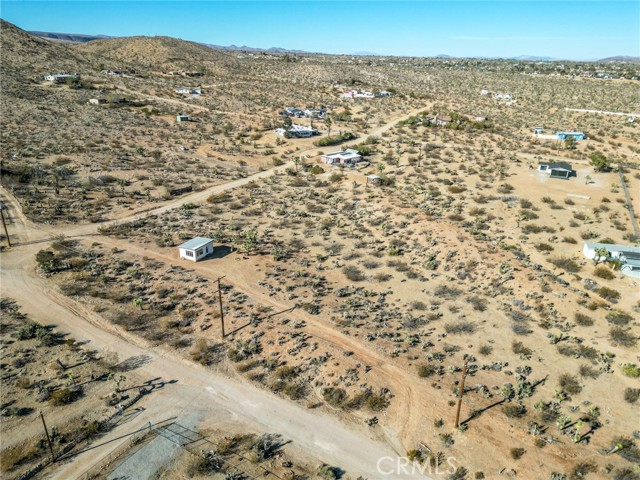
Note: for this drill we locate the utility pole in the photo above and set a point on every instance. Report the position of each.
(53, 457)
(4, 225)
(220, 306)
(461, 393)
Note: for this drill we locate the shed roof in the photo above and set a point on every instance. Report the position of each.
(195, 243)
(558, 165)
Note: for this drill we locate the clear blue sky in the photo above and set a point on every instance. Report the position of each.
(572, 29)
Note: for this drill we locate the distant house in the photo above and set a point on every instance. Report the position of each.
(344, 157)
(357, 94)
(119, 73)
(437, 119)
(97, 101)
(196, 249)
(557, 169)
(574, 135)
(538, 130)
(61, 77)
(296, 131)
(189, 91)
(628, 256)
(292, 112)
(503, 96)
(182, 118)
(314, 112)
(484, 91)
(383, 93)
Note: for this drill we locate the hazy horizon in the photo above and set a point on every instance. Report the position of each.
(568, 30)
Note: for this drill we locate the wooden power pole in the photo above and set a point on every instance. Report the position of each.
(220, 306)
(461, 393)
(4, 225)
(53, 457)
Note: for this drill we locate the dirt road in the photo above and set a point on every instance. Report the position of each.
(215, 395)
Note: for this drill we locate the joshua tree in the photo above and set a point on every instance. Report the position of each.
(601, 253)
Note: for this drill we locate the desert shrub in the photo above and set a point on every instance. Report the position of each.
(295, 391)
(12, 457)
(583, 320)
(618, 318)
(608, 294)
(353, 273)
(514, 410)
(519, 349)
(427, 370)
(520, 328)
(462, 326)
(631, 395)
(485, 350)
(625, 474)
(622, 336)
(603, 272)
(517, 453)
(565, 263)
(587, 371)
(201, 465)
(569, 384)
(531, 228)
(327, 472)
(581, 470)
(631, 370)
(544, 247)
(334, 396)
(570, 240)
(64, 396)
(478, 303)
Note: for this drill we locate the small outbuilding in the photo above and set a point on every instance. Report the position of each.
(182, 118)
(196, 249)
(374, 179)
(557, 169)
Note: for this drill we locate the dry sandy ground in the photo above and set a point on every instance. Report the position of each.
(320, 435)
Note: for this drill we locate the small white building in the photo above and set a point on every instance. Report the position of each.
(61, 77)
(358, 94)
(344, 157)
(484, 91)
(296, 131)
(196, 249)
(182, 118)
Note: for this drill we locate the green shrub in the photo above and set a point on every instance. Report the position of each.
(631, 370)
(65, 396)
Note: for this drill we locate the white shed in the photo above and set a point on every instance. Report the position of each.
(196, 249)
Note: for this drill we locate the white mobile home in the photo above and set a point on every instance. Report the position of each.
(345, 157)
(628, 256)
(196, 249)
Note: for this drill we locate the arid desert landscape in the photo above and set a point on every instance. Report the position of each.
(432, 261)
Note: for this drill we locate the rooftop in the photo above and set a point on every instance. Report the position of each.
(195, 243)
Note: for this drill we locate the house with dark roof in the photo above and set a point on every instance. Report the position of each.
(557, 169)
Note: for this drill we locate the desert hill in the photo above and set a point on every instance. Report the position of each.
(161, 53)
(25, 55)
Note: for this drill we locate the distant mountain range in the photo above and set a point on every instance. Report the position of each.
(69, 37)
(82, 38)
